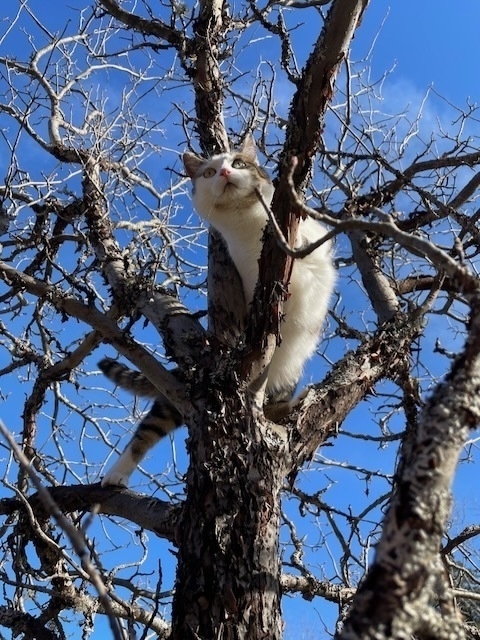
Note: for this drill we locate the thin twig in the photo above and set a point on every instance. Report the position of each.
(75, 536)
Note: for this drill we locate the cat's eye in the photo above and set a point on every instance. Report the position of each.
(209, 173)
(239, 164)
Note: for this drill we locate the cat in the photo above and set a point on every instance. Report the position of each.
(224, 196)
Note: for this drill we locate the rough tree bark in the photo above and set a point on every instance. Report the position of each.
(228, 580)
(226, 532)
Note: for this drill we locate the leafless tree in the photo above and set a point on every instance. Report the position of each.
(101, 252)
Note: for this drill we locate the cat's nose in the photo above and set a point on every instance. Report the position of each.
(225, 172)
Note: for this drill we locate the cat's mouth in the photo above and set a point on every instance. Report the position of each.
(228, 186)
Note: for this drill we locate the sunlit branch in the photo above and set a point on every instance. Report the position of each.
(137, 354)
(75, 535)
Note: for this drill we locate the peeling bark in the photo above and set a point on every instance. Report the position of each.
(304, 128)
(211, 28)
(328, 403)
(147, 512)
(395, 599)
(229, 583)
(228, 580)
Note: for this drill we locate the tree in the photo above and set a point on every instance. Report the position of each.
(100, 253)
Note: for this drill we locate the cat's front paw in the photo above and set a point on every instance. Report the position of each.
(115, 479)
(120, 472)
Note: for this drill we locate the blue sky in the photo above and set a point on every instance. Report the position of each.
(426, 43)
(430, 42)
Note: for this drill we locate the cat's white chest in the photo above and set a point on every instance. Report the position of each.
(244, 243)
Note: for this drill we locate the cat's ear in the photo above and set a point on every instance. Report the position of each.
(192, 163)
(249, 148)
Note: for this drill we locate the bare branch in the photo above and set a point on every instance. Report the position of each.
(145, 511)
(76, 536)
(408, 550)
(147, 27)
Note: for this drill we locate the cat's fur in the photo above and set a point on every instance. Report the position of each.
(159, 421)
(224, 196)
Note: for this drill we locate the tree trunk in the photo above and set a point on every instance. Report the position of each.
(228, 578)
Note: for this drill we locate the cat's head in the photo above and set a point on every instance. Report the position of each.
(226, 182)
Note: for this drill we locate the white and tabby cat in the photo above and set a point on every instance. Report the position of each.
(224, 195)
